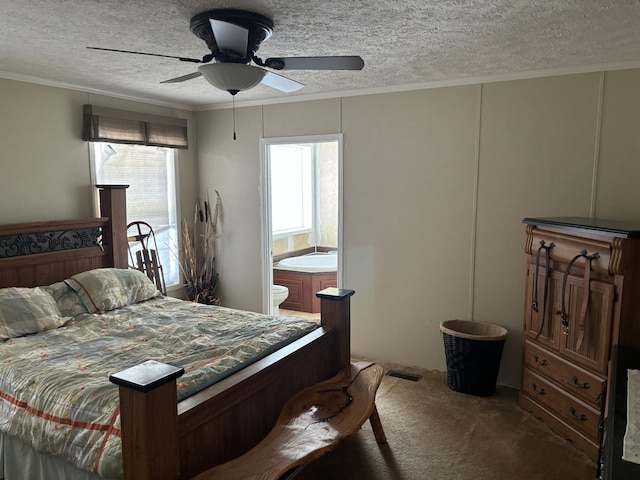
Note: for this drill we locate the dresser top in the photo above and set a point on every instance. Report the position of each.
(609, 228)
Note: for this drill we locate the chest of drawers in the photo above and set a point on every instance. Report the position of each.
(582, 297)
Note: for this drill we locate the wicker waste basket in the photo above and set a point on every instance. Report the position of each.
(473, 352)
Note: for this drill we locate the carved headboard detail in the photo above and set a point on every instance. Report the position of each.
(30, 243)
(41, 253)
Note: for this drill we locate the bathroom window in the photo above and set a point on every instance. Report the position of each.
(151, 197)
(292, 189)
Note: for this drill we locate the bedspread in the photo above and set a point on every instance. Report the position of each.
(54, 387)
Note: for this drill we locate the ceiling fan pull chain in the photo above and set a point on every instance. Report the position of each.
(233, 104)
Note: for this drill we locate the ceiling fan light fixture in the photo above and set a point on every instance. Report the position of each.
(232, 77)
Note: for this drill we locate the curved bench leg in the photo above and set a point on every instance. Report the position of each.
(376, 424)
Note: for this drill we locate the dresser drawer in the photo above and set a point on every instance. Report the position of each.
(571, 410)
(575, 380)
(566, 247)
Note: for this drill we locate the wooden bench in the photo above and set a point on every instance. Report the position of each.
(315, 421)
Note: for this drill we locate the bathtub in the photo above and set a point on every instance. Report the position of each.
(315, 262)
(304, 276)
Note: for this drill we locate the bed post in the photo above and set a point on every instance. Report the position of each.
(113, 204)
(336, 313)
(149, 421)
(154, 428)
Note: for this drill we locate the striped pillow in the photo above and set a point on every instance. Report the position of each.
(105, 289)
(24, 311)
(68, 300)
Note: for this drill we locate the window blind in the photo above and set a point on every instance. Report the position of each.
(145, 171)
(103, 124)
(151, 197)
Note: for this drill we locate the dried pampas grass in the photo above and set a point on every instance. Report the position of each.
(197, 259)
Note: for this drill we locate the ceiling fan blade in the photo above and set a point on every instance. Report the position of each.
(182, 59)
(281, 83)
(183, 78)
(230, 38)
(315, 63)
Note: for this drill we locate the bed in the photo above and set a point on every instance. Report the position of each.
(166, 430)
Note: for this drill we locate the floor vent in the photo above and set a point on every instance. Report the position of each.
(405, 376)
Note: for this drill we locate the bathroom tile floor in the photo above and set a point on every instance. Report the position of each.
(294, 313)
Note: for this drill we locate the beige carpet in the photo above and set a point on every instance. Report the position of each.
(436, 433)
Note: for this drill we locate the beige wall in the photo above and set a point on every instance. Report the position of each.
(233, 168)
(409, 167)
(536, 159)
(44, 171)
(436, 184)
(329, 167)
(44, 166)
(618, 187)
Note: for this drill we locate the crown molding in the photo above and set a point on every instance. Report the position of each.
(81, 88)
(475, 80)
(472, 80)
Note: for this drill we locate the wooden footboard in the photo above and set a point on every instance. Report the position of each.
(232, 416)
(163, 439)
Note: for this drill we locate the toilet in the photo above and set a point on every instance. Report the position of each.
(280, 294)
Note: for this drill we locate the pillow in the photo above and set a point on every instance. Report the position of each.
(68, 300)
(105, 289)
(24, 311)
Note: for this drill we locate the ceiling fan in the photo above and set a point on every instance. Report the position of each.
(234, 37)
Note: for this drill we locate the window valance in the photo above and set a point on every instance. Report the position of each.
(103, 124)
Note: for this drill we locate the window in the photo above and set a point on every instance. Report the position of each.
(151, 196)
(292, 189)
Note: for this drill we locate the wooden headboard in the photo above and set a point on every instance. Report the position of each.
(42, 253)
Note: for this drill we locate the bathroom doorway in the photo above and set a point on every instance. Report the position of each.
(301, 185)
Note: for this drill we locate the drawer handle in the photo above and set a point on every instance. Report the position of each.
(542, 391)
(582, 417)
(584, 385)
(542, 363)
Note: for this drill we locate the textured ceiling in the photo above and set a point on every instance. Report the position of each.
(403, 43)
